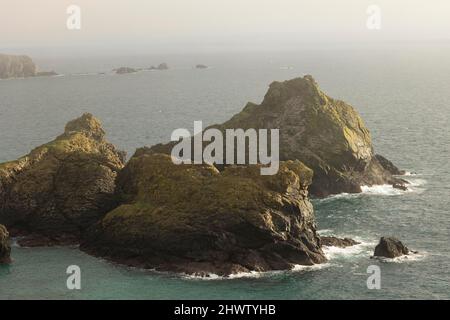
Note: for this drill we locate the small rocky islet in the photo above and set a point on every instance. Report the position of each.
(13, 66)
(196, 219)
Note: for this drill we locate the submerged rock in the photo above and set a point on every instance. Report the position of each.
(12, 66)
(63, 186)
(390, 247)
(5, 249)
(325, 134)
(338, 242)
(197, 220)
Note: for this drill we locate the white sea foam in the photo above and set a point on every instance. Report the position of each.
(363, 248)
(404, 259)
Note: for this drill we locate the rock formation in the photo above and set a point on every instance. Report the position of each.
(5, 249)
(389, 166)
(390, 247)
(326, 134)
(64, 186)
(46, 74)
(16, 66)
(125, 70)
(338, 242)
(201, 66)
(198, 220)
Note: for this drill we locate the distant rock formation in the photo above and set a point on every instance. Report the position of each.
(64, 186)
(197, 220)
(161, 66)
(5, 249)
(338, 242)
(390, 247)
(46, 73)
(201, 66)
(125, 70)
(16, 66)
(326, 134)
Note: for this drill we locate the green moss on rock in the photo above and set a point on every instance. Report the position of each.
(63, 186)
(195, 219)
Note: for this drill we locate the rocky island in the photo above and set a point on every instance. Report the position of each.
(16, 66)
(61, 187)
(196, 219)
(326, 134)
(12, 66)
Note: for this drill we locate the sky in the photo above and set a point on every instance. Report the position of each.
(217, 25)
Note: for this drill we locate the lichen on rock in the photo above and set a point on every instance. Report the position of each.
(198, 220)
(5, 248)
(63, 186)
(326, 134)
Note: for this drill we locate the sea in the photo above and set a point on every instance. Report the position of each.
(402, 92)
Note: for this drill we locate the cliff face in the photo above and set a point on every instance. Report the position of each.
(5, 249)
(63, 186)
(16, 66)
(195, 219)
(326, 134)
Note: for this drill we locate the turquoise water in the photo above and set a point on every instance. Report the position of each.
(402, 94)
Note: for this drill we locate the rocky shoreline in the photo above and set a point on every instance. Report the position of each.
(196, 219)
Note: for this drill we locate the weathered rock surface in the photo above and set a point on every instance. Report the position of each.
(390, 247)
(338, 242)
(5, 249)
(12, 66)
(195, 219)
(63, 186)
(389, 166)
(326, 134)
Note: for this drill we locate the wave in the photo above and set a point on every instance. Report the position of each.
(257, 274)
(415, 185)
(363, 248)
(403, 259)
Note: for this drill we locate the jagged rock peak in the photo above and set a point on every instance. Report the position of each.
(87, 124)
(305, 88)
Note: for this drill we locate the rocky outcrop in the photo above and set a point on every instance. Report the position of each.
(338, 242)
(198, 220)
(46, 74)
(161, 66)
(201, 66)
(5, 249)
(326, 134)
(16, 66)
(125, 70)
(388, 165)
(390, 247)
(63, 186)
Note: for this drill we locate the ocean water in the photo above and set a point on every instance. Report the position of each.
(402, 93)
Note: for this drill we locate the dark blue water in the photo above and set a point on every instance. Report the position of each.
(402, 94)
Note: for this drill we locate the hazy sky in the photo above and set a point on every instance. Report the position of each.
(171, 25)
